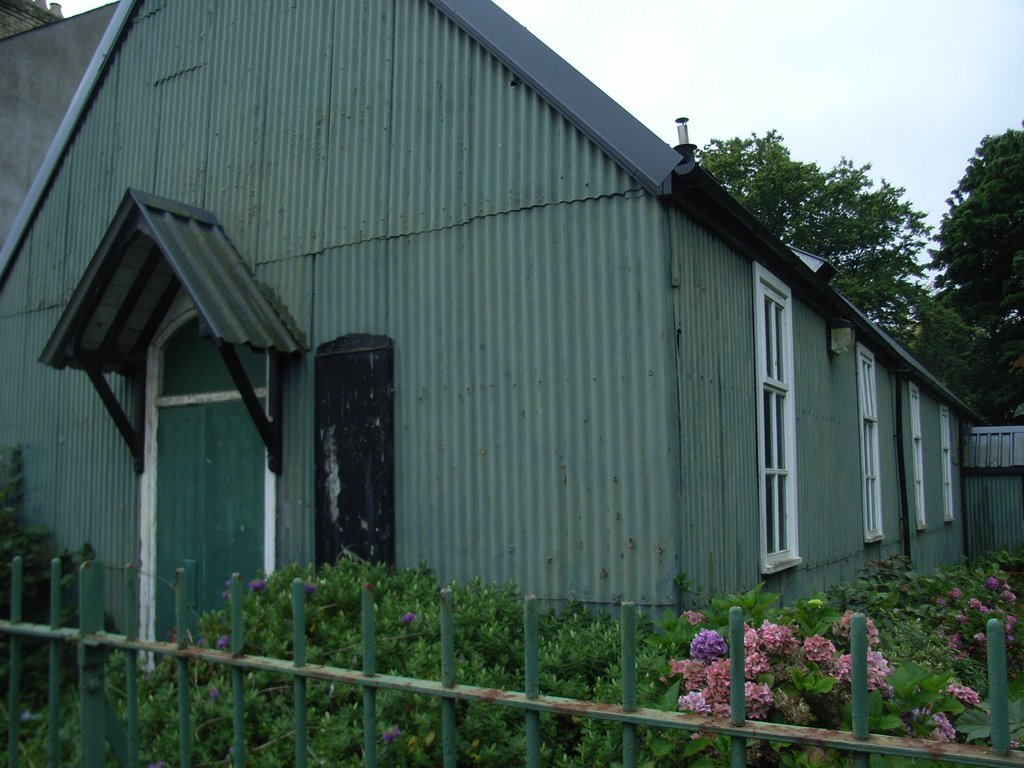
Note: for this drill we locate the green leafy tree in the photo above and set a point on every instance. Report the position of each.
(980, 260)
(867, 230)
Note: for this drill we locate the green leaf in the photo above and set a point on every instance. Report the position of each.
(659, 747)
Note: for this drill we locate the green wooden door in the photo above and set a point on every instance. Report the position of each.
(210, 477)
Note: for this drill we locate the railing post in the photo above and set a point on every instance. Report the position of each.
(131, 631)
(627, 624)
(181, 634)
(859, 683)
(53, 694)
(998, 695)
(237, 678)
(369, 669)
(91, 658)
(531, 663)
(14, 670)
(299, 661)
(737, 687)
(448, 743)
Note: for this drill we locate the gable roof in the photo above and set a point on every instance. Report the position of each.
(666, 172)
(153, 249)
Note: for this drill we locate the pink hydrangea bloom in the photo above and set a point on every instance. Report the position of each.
(694, 617)
(1008, 597)
(878, 671)
(718, 682)
(955, 593)
(692, 673)
(751, 640)
(778, 639)
(694, 701)
(964, 694)
(755, 664)
(820, 650)
(975, 604)
(758, 699)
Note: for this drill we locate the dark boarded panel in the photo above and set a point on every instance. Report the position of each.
(355, 511)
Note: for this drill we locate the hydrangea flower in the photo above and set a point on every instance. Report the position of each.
(944, 730)
(692, 673)
(955, 593)
(308, 588)
(755, 664)
(992, 583)
(841, 629)
(223, 642)
(694, 701)
(694, 617)
(751, 640)
(964, 694)
(391, 734)
(878, 671)
(214, 693)
(758, 698)
(717, 690)
(1008, 597)
(778, 639)
(820, 650)
(707, 646)
(409, 618)
(258, 585)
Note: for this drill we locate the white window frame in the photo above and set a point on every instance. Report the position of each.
(917, 455)
(869, 455)
(947, 464)
(776, 416)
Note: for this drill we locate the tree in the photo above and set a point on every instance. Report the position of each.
(981, 269)
(869, 232)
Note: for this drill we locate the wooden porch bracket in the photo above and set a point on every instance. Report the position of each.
(133, 435)
(267, 425)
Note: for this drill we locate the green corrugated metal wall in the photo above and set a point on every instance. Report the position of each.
(574, 401)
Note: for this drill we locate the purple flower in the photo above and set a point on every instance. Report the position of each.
(308, 588)
(944, 730)
(258, 585)
(1008, 596)
(390, 735)
(223, 642)
(214, 693)
(964, 694)
(992, 583)
(954, 593)
(707, 646)
(694, 701)
(409, 618)
(941, 602)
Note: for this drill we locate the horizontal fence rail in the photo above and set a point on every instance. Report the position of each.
(98, 727)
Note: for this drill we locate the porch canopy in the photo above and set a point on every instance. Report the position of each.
(153, 249)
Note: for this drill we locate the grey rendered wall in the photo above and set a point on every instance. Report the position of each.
(41, 71)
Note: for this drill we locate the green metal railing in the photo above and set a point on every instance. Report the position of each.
(99, 727)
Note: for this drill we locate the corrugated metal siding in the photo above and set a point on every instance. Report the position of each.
(535, 431)
(718, 519)
(996, 512)
(995, 447)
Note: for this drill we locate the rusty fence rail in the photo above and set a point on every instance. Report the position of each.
(98, 727)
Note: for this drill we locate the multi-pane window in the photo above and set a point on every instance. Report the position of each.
(776, 419)
(869, 444)
(917, 446)
(947, 465)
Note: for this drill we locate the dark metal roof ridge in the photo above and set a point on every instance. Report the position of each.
(90, 81)
(628, 141)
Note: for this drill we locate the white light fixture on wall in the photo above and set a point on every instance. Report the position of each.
(841, 336)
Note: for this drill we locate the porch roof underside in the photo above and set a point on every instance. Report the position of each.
(153, 249)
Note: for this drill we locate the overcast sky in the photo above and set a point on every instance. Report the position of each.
(909, 86)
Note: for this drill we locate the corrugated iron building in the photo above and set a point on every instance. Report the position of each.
(994, 488)
(524, 338)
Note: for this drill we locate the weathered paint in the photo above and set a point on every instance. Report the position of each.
(996, 504)
(574, 392)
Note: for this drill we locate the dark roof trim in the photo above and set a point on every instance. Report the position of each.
(90, 82)
(152, 249)
(696, 192)
(628, 141)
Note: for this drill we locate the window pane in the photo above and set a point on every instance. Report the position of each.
(769, 511)
(769, 457)
(783, 542)
(769, 352)
(780, 373)
(780, 431)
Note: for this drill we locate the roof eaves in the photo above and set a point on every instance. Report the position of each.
(696, 191)
(79, 103)
(628, 141)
